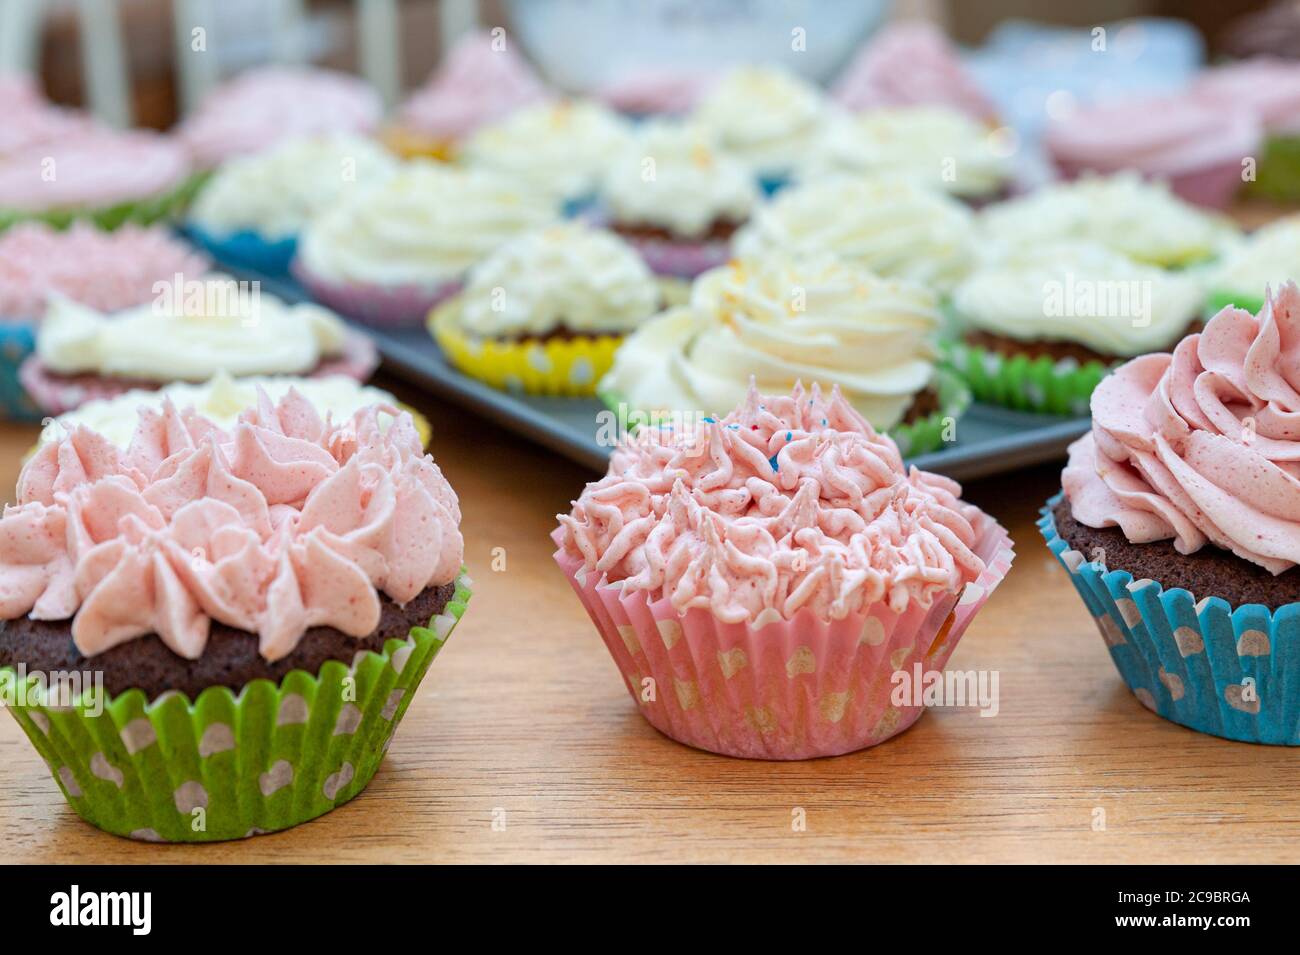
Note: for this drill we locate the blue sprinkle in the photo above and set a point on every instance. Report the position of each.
(710, 421)
(772, 461)
(789, 436)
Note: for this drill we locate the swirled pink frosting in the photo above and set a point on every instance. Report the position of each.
(29, 119)
(1267, 86)
(788, 502)
(911, 64)
(90, 171)
(284, 523)
(477, 85)
(271, 104)
(1202, 445)
(1161, 135)
(107, 271)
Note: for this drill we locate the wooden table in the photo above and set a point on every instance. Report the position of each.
(525, 712)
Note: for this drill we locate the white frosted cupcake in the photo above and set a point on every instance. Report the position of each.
(765, 116)
(1041, 324)
(546, 311)
(558, 149)
(1136, 217)
(781, 320)
(388, 256)
(677, 198)
(893, 227)
(251, 211)
(191, 332)
(943, 148)
(1268, 257)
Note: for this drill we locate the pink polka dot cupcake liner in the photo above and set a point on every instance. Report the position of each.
(227, 765)
(397, 306)
(789, 689)
(54, 394)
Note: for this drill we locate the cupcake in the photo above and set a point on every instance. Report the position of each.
(268, 105)
(677, 199)
(1140, 219)
(545, 312)
(911, 63)
(482, 81)
(249, 214)
(643, 92)
(766, 117)
(1267, 257)
(31, 120)
(254, 609)
(780, 320)
(189, 332)
(943, 148)
(222, 399)
(106, 177)
(389, 256)
(897, 228)
(102, 270)
(1040, 325)
(1198, 147)
(1177, 524)
(558, 149)
(1269, 88)
(759, 578)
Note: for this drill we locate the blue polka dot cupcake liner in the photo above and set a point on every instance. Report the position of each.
(1202, 663)
(247, 250)
(17, 343)
(228, 765)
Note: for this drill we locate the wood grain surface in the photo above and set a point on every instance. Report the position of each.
(524, 720)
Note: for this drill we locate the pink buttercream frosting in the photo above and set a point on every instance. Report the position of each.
(272, 104)
(91, 171)
(29, 119)
(788, 502)
(1164, 135)
(283, 523)
(107, 271)
(477, 85)
(1202, 445)
(1267, 86)
(911, 64)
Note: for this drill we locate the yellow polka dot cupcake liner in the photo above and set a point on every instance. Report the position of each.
(563, 367)
(227, 765)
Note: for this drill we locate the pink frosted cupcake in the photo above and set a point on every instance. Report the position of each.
(29, 119)
(657, 92)
(911, 64)
(482, 81)
(104, 176)
(1197, 146)
(103, 270)
(757, 579)
(276, 103)
(1270, 88)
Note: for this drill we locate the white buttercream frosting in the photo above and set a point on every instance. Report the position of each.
(766, 116)
(1268, 257)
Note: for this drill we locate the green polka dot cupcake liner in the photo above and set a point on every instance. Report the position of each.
(913, 438)
(228, 765)
(165, 207)
(1041, 384)
(1227, 671)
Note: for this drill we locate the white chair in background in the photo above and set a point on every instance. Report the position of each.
(104, 60)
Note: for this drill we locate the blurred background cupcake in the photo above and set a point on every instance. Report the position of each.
(1177, 524)
(719, 560)
(1267, 257)
(557, 149)
(1269, 88)
(106, 177)
(896, 228)
(31, 119)
(250, 213)
(1137, 218)
(101, 270)
(677, 198)
(262, 107)
(1039, 326)
(943, 148)
(190, 332)
(766, 117)
(780, 320)
(390, 254)
(257, 631)
(544, 313)
(482, 80)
